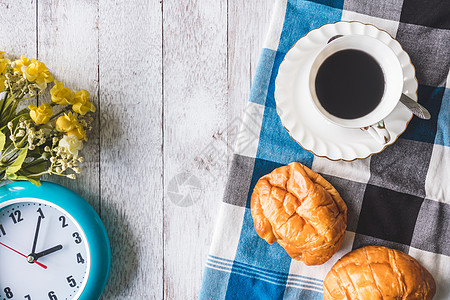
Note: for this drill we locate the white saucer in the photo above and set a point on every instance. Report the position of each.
(310, 129)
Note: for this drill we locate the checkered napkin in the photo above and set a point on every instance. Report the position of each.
(399, 198)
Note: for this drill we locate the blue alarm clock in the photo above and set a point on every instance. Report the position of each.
(53, 244)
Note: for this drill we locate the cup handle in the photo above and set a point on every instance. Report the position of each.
(379, 132)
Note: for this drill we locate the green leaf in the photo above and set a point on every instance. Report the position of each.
(24, 111)
(13, 119)
(11, 176)
(30, 169)
(34, 181)
(2, 141)
(14, 177)
(17, 164)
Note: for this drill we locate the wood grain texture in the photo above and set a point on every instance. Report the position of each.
(18, 28)
(195, 110)
(168, 78)
(67, 43)
(131, 145)
(20, 36)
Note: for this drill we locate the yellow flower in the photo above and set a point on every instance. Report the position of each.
(62, 95)
(19, 63)
(41, 114)
(82, 104)
(37, 72)
(67, 122)
(79, 132)
(3, 65)
(2, 82)
(4, 62)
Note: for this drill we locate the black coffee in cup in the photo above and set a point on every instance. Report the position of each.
(349, 84)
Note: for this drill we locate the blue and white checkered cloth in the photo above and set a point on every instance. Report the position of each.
(399, 198)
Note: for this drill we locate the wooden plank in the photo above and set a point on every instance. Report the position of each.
(68, 45)
(195, 116)
(131, 145)
(18, 28)
(124, 180)
(19, 40)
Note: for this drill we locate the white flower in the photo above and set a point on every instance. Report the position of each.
(71, 143)
(21, 133)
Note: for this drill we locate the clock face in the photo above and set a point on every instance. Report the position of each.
(44, 253)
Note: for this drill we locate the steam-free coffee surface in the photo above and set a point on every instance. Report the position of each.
(349, 84)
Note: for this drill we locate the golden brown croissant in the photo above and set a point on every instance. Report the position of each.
(374, 273)
(300, 210)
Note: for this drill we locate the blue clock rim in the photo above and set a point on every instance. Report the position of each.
(86, 217)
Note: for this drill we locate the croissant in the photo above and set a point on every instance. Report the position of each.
(375, 272)
(301, 211)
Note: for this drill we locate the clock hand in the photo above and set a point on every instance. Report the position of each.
(39, 264)
(46, 252)
(36, 233)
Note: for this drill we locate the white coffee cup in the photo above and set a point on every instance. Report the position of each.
(372, 122)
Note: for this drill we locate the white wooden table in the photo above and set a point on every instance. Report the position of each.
(169, 78)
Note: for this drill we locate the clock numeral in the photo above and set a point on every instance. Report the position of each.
(17, 214)
(41, 213)
(71, 281)
(63, 220)
(28, 297)
(52, 296)
(2, 230)
(77, 237)
(80, 258)
(8, 292)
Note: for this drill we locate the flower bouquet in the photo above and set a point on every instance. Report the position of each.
(44, 139)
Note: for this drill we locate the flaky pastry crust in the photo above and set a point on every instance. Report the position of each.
(376, 273)
(301, 211)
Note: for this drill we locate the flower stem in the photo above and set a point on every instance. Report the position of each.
(10, 156)
(40, 174)
(18, 146)
(3, 103)
(28, 98)
(22, 92)
(34, 162)
(10, 89)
